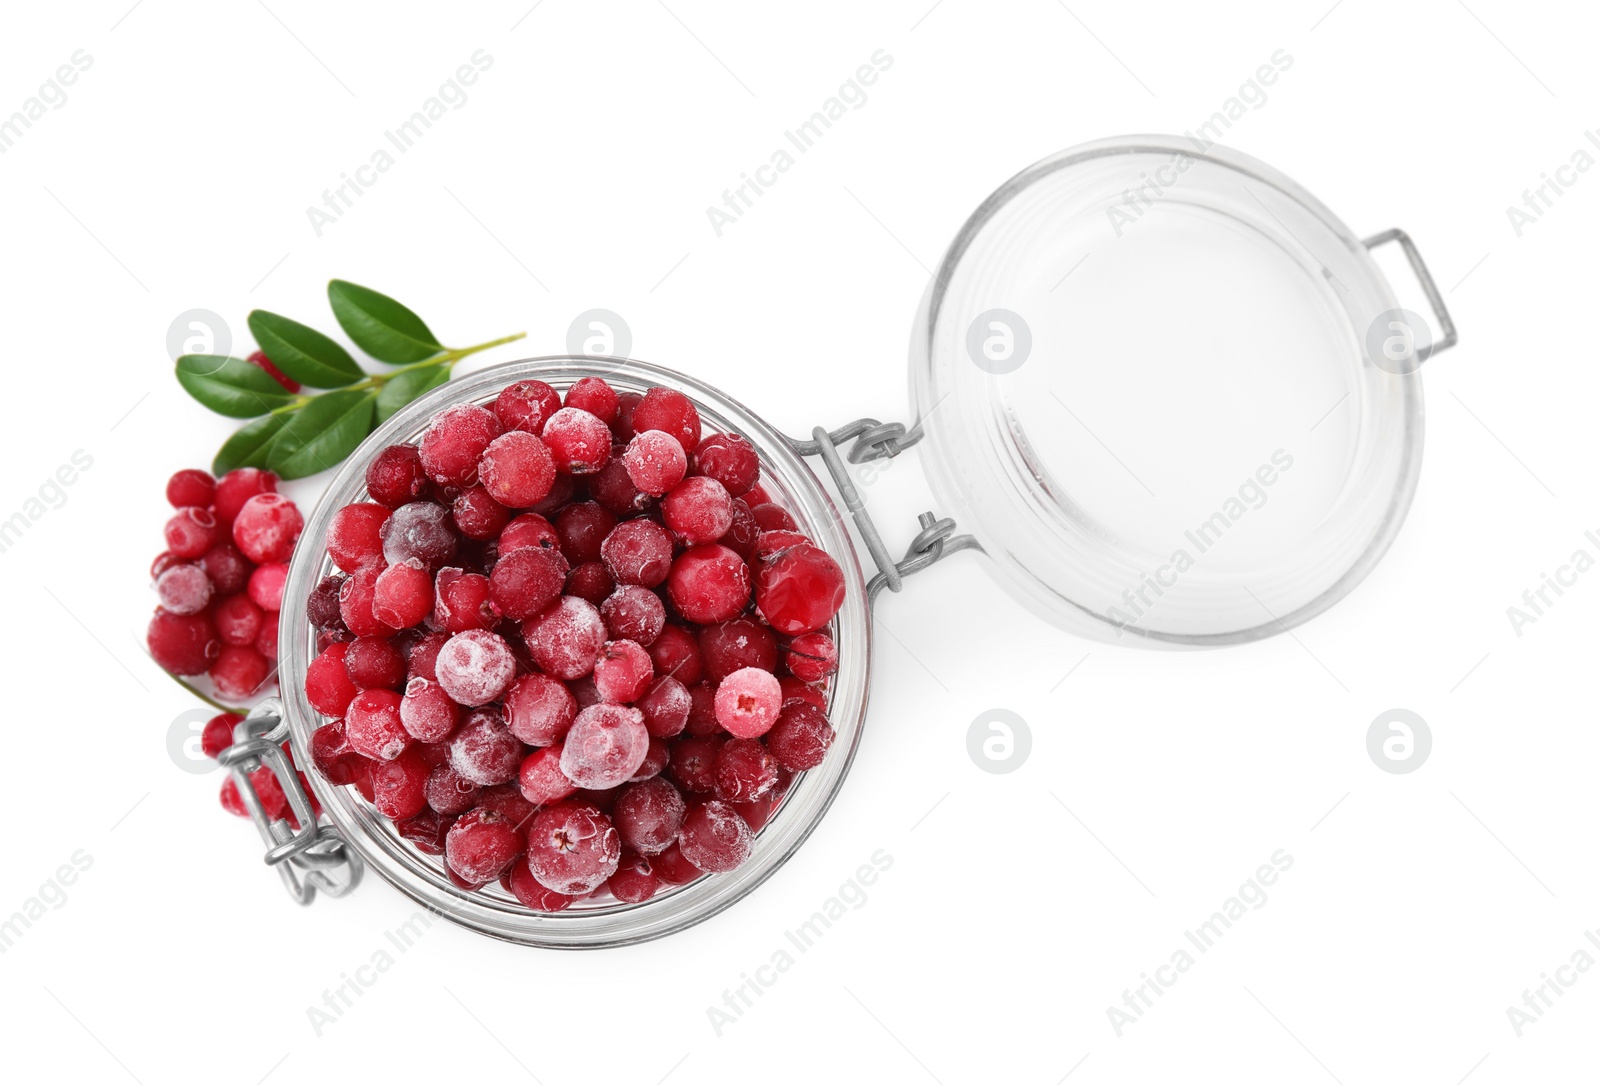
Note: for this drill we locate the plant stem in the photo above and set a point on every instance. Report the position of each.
(213, 702)
(447, 358)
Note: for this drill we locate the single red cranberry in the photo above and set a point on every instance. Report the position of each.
(580, 529)
(402, 596)
(714, 837)
(184, 589)
(565, 640)
(665, 705)
(266, 585)
(400, 787)
(540, 778)
(800, 590)
(526, 405)
(260, 360)
(655, 462)
(673, 869)
(698, 509)
(427, 712)
(227, 569)
(812, 657)
(328, 685)
(239, 486)
(238, 620)
(579, 442)
(517, 469)
(594, 395)
(475, 667)
(615, 492)
(372, 725)
(622, 672)
(333, 755)
(671, 412)
(771, 517)
(676, 652)
(638, 552)
(572, 848)
(801, 737)
(635, 880)
(748, 702)
(622, 425)
(483, 750)
(477, 515)
(703, 711)
(267, 526)
(605, 746)
(426, 830)
(421, 531)
(239, 672)
(461, 602)
(773, 543)
(731, 460)
(354, 534)
(530, 529)
(709, 583)
(455, 441)
(648, 815)
(356, 596)
(746, 771)
(183, 643)
(375, 663)
(480, 845)
(521, 884)
(395, 476)
(322, 605)
(634, 613)
(190, 533)
(742, 642)
(218, 733)
(590, 581)
(191, 488)
(794, 689)
(526, 581)
(694, 762)
(507, 801)
(539, 710)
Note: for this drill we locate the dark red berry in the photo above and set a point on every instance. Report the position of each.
(191, 488)
(742, 642)
(801, 737)
(714, 837)
(526, 405)
(731, 460)
(395, 476)
(184, 644)
(648, 815)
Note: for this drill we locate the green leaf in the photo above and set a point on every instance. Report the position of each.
(380, 325)
(249, 445)
(403, 387)
(321, 434)
(230, 386)
(304, 354)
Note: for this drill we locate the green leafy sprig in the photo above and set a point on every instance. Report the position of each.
(296, 434)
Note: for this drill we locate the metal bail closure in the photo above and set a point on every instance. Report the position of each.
(312, 857)
(882, 440)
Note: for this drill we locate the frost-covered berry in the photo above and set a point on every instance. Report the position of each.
(184, 589)
(698, 509)
(709, 583)
(670, 411)
(449, 792)
(635, 880)
(539, 709)
(746, 771)
(748, 702)
(526, 405)
(655, 462)
(801, 737)
(328, 684)
(477, 515)
(742, 642)
(714, 837)
(480, 845)
(812, 657)
(238, 620)
(648, 815)
(605, 746)
(634, 613)
(356, 596)
(565, 640)
(665, 705)
(590, 581)
(475, 667)
(483, 751)
(573, 848)
(420, 531)
(190, 533)
(461, 601)
(455, 441)
(540, 779)
(400, 787)
(395, 476)
(622, 672)
(184, 643)
(579, 442)
(526, 581)
(354, 534)
(191, 489)
(266, 528)
(402, 595)
(594, 395)
(638, 552)
(731, 460)
(372, 724)
(266, 585)
(239, 672)
(427, 712)
(517, 469)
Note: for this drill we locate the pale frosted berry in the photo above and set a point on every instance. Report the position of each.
(374, 663)
(395, 476)
(483, 750)
(539, 710)
(526, 581)
(676, 652)
(648, 815)
(730, 646)
(449, 792)
(480, 845)
(427, 712)
(228, 570)
(239, 486)
(328, 685)
(634, 613)
(402, 595)
(694, 762)
(714, 837)
(731, 460)
(540, 778)
(635, 880)
(184, 643)
(812, 657)
(800, 590)
(673, 869)
(477, 515)
(746, 771)
(461, 601)
(526, 405)
(748, 701)
(709, 583)
(801, 737)
(580, 529)
(191, 489)
(565, 640)
(572, 848)
(420, 531)
(266, 528)
(605, 746)
(517, 469)
(475, 667)
(239, 672)
(354, 534)
(266, 586)
(190, 533)
(218, 732)
(454, 443)
(622, 672)
(615, 492)
(665, 705)
(372, 724)
(184, 589)
(698, 509)
(655, 462)
(400, 787)
(670, 411)
(594, 395)
(590, 581)
(638, 552)
(579, 442)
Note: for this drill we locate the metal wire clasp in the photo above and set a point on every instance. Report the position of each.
(312, 857)
(882, 440)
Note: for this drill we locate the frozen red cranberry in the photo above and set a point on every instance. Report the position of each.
(354, 534)
(267, 641)
(517, 469)
(583, 692)
(655, 761)
(579, 442)
(572, 848)
(374, 663)
(402, 596)
(191, 488)
(427, 831)
(812, 657)
(483, 750)
(477, 515)
(475, 667)
(709, 583)
(480, 845)
(461, 601)
(590, 581)
(744, 534)
(372, 724)
(564, 490)
(218, 733)
(267, 526)
(322, 605)
(676, 652)
(526, 581)
(356, 596)
(239, 672)
(655, 462)
(635, 880)
(743, 642)
(703, 711)
(400, 787)
(594, 395)
(266, 587)
(622, 425)
(801, 737)
(673, 869)
(580, 529)
(772, 517)
(521, 884)
(528, 531)
(184, 589)
(333, 755)
(748, 701)
(731, 460)
(190, 533)
(227, 569)
(623, 672)
(638, 552)
(427, 712)
(714, 837)
(423, 655)
(773, 543)
(565, 640)
(420, 531)
(540, 778)
(395, 476)
(260, 360)
(507, 801)
(605, 746)
(615, 492)
(665, 705)
(648, 815)
(526, 405)
(455, 441)
(184, 643)
(746, 771)
(794, 689)
(758, 813)
(694, 762)
(800, 590)
(231, 800)
(670, 411)
(328, 685)
(238, 621)
(698, 509)
(634, 613)
(239, 486)
(539, 710)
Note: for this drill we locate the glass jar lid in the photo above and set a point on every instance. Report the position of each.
(1146, 376)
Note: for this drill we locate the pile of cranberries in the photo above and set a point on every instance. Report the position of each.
(571, 645)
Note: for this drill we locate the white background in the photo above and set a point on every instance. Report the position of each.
(1018, 907)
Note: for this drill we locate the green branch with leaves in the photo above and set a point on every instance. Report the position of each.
(295, 434)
